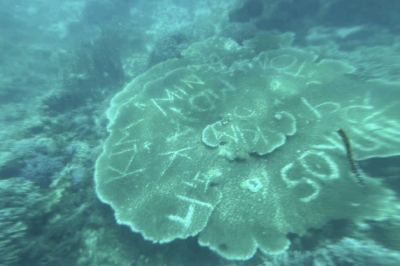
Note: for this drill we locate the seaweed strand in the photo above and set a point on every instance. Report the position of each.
(349, 153)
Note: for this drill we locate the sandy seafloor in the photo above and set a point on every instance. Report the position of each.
(61, 62)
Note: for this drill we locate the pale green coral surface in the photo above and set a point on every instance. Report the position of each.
(239, 145)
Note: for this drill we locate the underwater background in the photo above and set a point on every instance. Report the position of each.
(180, 132)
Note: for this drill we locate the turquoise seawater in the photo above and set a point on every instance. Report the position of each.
(209, 133)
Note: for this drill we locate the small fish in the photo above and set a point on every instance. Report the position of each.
(349, 153)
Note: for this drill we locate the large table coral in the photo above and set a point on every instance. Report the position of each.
(239, 145)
